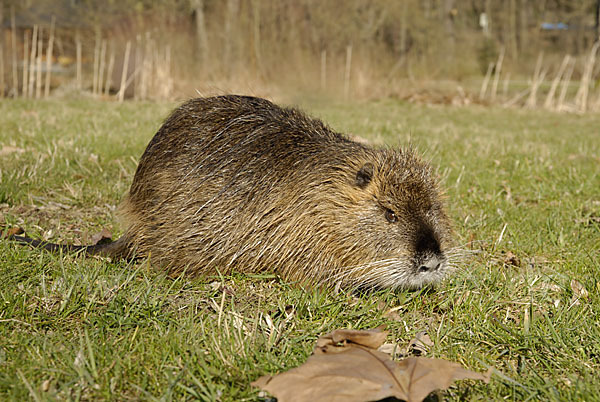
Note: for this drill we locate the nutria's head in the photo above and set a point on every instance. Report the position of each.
(401, 233)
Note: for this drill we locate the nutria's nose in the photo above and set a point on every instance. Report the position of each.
(430, 265)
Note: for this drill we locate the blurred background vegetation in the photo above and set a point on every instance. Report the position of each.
(354, 48)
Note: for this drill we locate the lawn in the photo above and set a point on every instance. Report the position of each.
(523, 191)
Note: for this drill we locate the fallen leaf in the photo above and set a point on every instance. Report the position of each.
(102, 237)
(13, 232)
(579, 292)
(388, 348)
(578, 289)
(510, 258)
(420, 344)
(345, 366)
(426, 375)
(372, 338)
(394, 313)
(46, 385)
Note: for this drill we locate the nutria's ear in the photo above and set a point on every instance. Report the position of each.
(364, 175)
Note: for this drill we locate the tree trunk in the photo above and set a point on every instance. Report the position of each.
(201, 38)
(512, 23)
(256, 34)
(449, 13)
(13, 49)
(403, 29)
(488, 13)
(2, 22)
(230, 38)
(2, 47)
(598, 20)
(524, 24)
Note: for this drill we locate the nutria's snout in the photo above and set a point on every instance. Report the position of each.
(432, 264)
(429, 256)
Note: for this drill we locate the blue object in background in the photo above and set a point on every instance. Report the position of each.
(554, 26)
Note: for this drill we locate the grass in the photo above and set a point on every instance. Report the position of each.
(523, 188)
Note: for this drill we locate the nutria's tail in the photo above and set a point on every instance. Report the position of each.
(119, 249)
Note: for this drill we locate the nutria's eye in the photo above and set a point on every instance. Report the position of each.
(391, 216)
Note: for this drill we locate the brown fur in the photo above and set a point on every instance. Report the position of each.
(238, 183)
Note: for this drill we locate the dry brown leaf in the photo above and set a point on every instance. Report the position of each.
(426, 375)
(104, 236)
(393, 315)
(511, 258)
(13, 232)
(579, 290)
(420, 344)
(372, 338)
(388, 348)
(342, 368)
(46, 385)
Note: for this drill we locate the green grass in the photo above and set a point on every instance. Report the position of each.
(523, 188)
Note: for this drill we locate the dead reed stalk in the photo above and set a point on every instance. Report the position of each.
(581, 98)
(31, 79)
(515, 99)
(486, 81)
(96, 63)
(323, 69)
(347, 71)
(497, 73)
(549, 102)
(2, 84)
(162, 74)
(131, 78)
(535, 82)
(78, 61)
(168, 86)
(596, 105)
(122, 87)
(505, 85)
(25, 64)
(111, 64)
(49, 58)
(137, 64)
(15, 67)
(38, 67)
(565, 86)
(146, 67)
(101, 67)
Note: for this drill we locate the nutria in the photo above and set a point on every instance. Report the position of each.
(236, 183)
